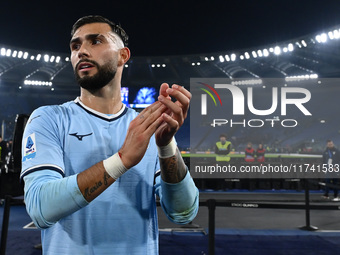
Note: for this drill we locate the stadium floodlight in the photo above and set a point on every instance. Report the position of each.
(271, 49)
(67, 59)
(227, 58)
(46, 57)
(318, 38)
(163, 65)
(322, 38)
(336, 34)
(290, 47)
(57, 60)
(153, 65)
(206, 59)
(285, 49)
(247, 82)
(246, 54)
(265, 52)
(277, 50)
(241, 57)
(331, 35)
(198, 63)
(38, 83)
(38, 57)
(301, 77)
(126, 66)
(52, 59)
(32, 57)
(233, 57)
(303, 42)
(212, 58)
(14, 54)
(8, 52)
(193, 64)
(254, 54)
(221, 58)
(158, 65)
(3, 52)
(259, 53)
(25, 55)
(20, 54)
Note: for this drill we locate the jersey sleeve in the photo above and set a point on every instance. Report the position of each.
(46, 188)
(45, 195)
(41, 144)
(180, 201)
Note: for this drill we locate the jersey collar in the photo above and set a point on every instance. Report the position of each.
(110, 117)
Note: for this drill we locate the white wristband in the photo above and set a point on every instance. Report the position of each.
(167, 151)
(114, 166)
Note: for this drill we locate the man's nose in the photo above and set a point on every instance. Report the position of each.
(83, 51)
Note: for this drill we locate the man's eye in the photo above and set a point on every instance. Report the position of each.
(75, 46)
(96, 41)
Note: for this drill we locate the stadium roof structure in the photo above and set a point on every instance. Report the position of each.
(29, 78)
(307, 57)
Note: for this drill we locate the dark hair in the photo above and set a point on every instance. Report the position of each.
(223, 135)
(117, 29)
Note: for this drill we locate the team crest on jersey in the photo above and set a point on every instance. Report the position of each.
(30, 149)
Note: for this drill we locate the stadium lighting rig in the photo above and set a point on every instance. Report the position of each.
(11, 53)
(278, 49)
(38, 83)
(302, 77)
(158, 65)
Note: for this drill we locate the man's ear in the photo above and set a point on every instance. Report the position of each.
(124, 56)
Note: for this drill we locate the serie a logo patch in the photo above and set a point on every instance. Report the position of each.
(30, 149)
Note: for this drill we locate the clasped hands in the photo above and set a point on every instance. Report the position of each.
(163, 118)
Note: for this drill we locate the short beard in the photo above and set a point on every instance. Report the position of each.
(105, 74)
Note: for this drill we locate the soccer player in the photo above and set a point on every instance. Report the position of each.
(90, 166)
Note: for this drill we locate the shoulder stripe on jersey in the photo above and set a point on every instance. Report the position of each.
(101, 115)
(42, 167)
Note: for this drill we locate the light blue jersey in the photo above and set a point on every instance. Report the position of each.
(61, 141)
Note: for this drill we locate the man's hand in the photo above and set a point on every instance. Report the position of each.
(175, 114)
(139, 133)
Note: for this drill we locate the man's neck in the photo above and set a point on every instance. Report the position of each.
(107, 100)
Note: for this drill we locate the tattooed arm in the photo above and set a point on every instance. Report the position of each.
(173, 169)
(176, 189)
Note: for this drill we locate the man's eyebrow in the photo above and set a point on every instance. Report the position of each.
(87, 37)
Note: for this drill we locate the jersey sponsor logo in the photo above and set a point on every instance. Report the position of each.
(80, 137)
(30, 148)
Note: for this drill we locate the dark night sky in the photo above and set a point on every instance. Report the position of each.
(169, 27)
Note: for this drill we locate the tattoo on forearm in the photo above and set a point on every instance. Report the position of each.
(173, 169)
(106, 178)
(89, 191)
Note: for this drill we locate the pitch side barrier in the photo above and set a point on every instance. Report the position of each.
(265, 204)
